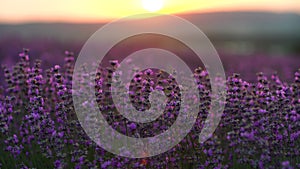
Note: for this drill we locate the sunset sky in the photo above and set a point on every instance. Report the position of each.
(20, 11)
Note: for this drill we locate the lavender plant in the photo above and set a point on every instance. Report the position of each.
(260, 127)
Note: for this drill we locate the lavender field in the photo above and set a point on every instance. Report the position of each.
(39, 128)
(260, 127)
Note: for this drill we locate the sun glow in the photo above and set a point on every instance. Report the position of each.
(20, 11)
(152, 5)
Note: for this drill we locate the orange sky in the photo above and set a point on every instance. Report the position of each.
(20, 11)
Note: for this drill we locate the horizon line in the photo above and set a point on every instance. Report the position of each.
(107, 20)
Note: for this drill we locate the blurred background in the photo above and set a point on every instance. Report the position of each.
(250, 35)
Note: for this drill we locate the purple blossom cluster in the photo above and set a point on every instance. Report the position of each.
(260, 127)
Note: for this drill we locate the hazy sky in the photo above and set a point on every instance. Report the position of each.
(16, 11)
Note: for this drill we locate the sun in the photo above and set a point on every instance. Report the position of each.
(153, 5)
